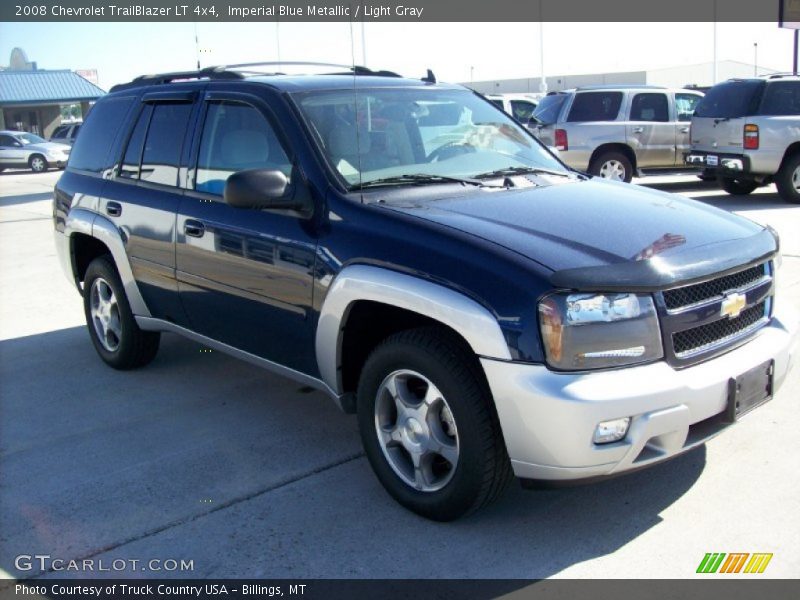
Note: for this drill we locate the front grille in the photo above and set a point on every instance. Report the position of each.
(697, 339)
(708, 290)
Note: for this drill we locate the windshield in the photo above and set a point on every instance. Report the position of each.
(29, 138)
(548, 109)
(389, 133)
(730, 100)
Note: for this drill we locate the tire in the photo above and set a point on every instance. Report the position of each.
(737, 187)
(612, 165)
(787, 180)
(461, 424)
(124, 345)
(38, 163)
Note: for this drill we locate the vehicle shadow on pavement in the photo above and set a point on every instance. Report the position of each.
(205, 458)
(24, 198)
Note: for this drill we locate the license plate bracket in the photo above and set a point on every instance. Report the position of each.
(712, 160)
(750, 390)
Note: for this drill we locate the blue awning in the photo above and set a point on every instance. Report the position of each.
(45, 87)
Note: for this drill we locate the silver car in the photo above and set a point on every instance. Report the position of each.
(66, 134)
(22, 150)
(747, 131)
(615, 131)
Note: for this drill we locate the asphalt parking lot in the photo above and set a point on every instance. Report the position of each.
(201, 457)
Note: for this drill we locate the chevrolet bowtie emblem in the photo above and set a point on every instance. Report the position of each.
(733, 304)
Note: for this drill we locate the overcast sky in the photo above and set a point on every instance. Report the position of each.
(120, 51)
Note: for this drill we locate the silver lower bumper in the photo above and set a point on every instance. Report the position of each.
(548, 418)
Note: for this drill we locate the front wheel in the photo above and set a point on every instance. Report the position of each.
(737, 187)
(428, 426)
(38, 163)
(788, 180)
(112, 327)
(612, 165)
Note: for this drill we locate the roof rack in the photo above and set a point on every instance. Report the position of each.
(239, 71)
(779, 75)
(160, 78)
(624, 86)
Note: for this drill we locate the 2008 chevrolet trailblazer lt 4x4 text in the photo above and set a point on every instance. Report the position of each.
(411, 250)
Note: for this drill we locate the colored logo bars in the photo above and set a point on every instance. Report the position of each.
(736, 562)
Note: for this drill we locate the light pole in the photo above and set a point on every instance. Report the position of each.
(755, 59)
(471, 76)
(542, 80)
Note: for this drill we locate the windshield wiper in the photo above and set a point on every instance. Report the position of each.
(520, 171)
(416, 178)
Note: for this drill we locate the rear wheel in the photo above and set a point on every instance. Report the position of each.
(788, 180)
(737, 187)
(38, 163)
(612, 165)
(112, 327)
(428, 426)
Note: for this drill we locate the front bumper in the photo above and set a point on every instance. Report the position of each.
(548, 418)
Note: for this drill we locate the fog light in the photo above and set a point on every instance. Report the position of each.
(611, 431)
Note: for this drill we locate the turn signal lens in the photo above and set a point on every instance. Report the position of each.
(552, 328)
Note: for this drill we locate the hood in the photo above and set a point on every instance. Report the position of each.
(600, 233)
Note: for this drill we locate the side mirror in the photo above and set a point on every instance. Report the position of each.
(265, 189)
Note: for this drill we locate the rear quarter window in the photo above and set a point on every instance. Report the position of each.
(92, 150)
(595, 106)
(781, 98)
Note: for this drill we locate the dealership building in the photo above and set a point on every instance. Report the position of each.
(699, 75)
(31, 98)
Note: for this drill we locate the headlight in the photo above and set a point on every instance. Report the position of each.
(596, 331)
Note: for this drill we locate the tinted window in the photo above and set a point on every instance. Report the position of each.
(781, 98)
(522, 110)
(730, 100)
(105, 120)
(595, 106)
(650, 107)
(236, 137)
(7, 140)
(548, 109)
(133, 153)
(497, 102)
(60, 131)
(162, 148)
(685, 105)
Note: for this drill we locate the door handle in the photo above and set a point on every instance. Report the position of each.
(113, 209)
(638, 130)
(684, 130)
(194, 228)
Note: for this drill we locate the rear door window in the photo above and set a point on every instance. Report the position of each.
(132, 160)
(595, 106)
(781, 98)
(685, 105)
(163, 144)
(522, 110)
(730, 100)
(650, 107)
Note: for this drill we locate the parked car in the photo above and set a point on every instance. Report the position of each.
(66, 134)
(484, 310)
(519, 106)
(747, 131)
(614, 131)
(20, 150)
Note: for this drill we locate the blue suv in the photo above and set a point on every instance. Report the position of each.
(416, 254)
